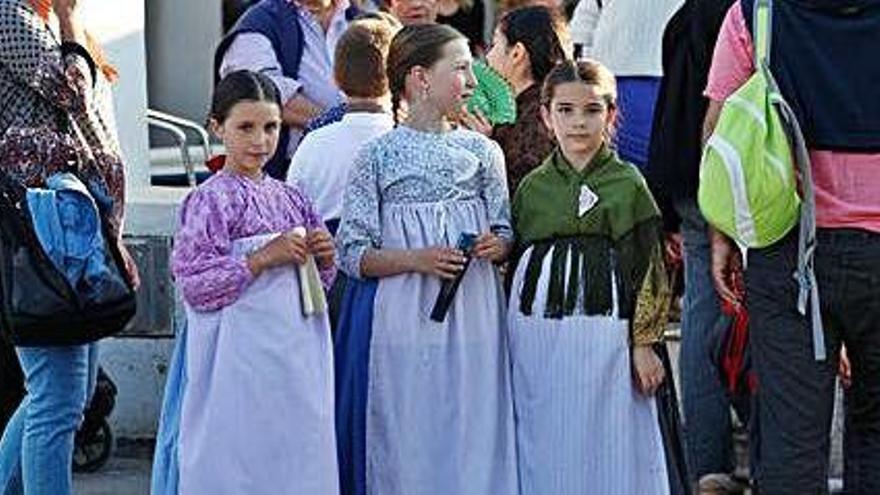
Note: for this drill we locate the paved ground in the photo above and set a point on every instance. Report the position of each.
(121, 476)
(128, 472)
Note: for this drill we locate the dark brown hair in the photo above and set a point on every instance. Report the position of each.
(583, 71)
(588, 72)
(360, 58)
(238, 86)
(537, 29)
(415, 46)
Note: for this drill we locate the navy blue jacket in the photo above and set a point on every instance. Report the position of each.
(273, 19)
(823, 55)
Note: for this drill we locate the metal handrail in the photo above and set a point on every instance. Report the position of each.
(188, 124)
(180, 137)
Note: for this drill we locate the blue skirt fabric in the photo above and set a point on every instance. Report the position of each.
(636, 98)
(165, 475)
(351, 351)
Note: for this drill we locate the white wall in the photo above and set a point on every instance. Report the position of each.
(136, 365)
(119, 25)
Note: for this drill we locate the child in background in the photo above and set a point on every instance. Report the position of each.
(323, 161)
(321, 164)
(249, 403)
(525, 47)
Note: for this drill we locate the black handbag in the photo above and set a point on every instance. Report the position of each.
(38, 305)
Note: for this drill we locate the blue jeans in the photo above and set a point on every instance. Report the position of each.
(36, 451)
(706, 404)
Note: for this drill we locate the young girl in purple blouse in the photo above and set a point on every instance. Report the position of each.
(249, 404)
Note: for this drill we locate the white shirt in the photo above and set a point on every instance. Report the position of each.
(625, 35)
(321, 165)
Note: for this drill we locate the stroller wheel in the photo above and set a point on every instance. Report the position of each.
(92, 451)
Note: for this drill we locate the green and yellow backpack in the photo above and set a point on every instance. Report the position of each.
(750, 168)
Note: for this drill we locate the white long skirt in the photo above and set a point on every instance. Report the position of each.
(256, 401)
(439, 416)
(582, 426)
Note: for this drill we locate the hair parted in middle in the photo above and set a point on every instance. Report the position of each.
(588, 72)
(242, 85)
(415, 46)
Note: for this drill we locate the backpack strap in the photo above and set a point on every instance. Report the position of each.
(808, 294)
(808, 291)
(762, 31)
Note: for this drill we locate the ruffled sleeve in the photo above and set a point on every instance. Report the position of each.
(207, 273)
(361, 226)
(494, 192)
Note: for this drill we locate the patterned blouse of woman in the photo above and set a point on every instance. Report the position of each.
(43, 84)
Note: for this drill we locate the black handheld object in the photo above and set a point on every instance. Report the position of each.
(466, 243)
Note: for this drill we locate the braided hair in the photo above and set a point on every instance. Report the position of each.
(415, 46)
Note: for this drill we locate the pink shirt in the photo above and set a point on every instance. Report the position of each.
(847, 184)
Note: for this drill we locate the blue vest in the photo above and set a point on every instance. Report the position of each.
(823, 56)
(278, 21)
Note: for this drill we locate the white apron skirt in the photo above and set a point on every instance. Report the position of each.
(439, 416)
(582, 426)
(256, 413)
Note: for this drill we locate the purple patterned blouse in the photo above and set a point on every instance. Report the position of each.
(227, 207)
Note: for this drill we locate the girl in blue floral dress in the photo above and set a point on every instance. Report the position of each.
(425, 406)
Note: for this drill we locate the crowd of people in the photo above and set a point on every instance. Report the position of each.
(389, 292)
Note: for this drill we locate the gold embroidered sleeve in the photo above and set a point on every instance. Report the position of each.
(652, 305)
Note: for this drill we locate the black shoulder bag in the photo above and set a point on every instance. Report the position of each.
(39, 306)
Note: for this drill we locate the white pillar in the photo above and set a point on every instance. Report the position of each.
(181, 37)
(119, 26)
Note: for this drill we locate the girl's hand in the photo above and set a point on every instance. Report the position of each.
(674, 248)
(443, 262)
(475, 122)
(491, 247)
(321, 246)
(288, 248)
(647, 368)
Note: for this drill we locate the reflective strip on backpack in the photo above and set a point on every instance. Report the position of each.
(745, 223)
(781, 168)
(763, 29)
(749, 107)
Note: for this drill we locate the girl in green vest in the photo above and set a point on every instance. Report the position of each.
(588, 305)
